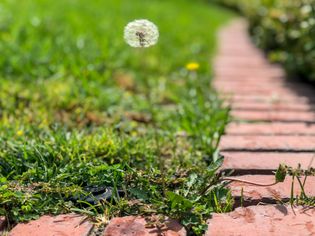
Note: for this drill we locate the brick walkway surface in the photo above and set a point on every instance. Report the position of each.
(274, 122)
(263, 221)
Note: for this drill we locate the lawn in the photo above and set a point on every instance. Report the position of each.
(91, 125)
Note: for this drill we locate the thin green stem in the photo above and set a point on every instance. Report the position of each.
(156, 134)
(157, 143)
(240, 180)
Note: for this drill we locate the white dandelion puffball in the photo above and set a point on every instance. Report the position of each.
(141, 34)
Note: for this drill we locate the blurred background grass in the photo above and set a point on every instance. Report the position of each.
(46, 38)
(66, 54)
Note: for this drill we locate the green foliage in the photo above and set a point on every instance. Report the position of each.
(286, 29)
(299, 180)
(75, 114)
(281, 173)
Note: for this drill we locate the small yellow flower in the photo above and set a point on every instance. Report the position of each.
(19, 133)
(192, 66)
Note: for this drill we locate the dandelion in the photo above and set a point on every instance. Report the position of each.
(19, 133)
(192, 66)
(144, 34)
(141, 33)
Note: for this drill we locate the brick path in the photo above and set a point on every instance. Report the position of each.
(274, 122)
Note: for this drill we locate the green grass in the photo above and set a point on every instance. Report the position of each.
(75, 113)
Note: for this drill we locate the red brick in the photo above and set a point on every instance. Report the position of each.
(242, 43)
(240, 61)
(268, 143)
(276, 128)
(65, 225)
(264, 88)
(272, 106)
(227, 51)
(258, 91)
(262, 162)
(276, 92)
(240, 58)
(239, 38)
(245, 48)
(249, 89)
(271, 220)
(286, 116)
(252, 194)
(267, 71)
(222, 68)
(251, 81)
(239, 41)
(261, 97)
(264, 82)
(136, 226)
(264, 98)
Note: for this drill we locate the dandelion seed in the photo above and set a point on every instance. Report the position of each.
(192, 66)
(141, 33)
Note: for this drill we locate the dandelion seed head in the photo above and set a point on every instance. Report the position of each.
(141, 33)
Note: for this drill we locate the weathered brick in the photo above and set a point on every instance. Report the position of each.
(274, 128)
(242, 43)
(65, 225)
(273, 106)
(263, 92)
(274, 98)
(244, 87)
(221, 79)
(240, 61)
(256, 91)
(267, 71)
(225, 51)
(250, 194)
(136, 226)
(251, 82)
(271, 220)
(237, 82)
(244, 49)
(285, 116)
(268, 143)
(264, 162)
